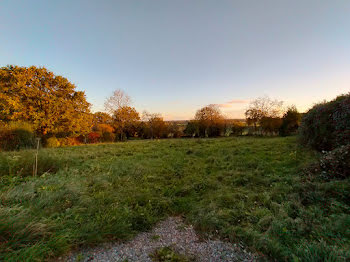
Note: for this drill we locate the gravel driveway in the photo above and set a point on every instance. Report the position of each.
(170, 232)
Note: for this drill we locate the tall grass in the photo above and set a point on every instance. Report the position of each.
(16, 135)
(21, 164)
(240, 189)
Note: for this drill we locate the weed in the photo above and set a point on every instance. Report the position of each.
(155, 237)
(167, 254)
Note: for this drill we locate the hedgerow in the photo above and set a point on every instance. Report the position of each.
(326, 126)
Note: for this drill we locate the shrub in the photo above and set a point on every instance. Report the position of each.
(63, 141)
(16, 135)
(52, 142)
(237, 128)
(69, 141)
(191, 129)
(101, 128)
(82, 139)
(143, 130)
(174, 130)
(336, 163)
(333, 164)
(108, 137)
(326, 125)
(270, 125)
(94, 137)
(290, 122)
(73, 141)
(216, 129)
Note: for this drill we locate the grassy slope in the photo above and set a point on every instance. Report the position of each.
(247, 189)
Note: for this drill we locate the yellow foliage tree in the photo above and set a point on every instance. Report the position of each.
(49, 102)
(125, 121)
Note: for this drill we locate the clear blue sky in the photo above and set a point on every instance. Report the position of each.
(175, 56)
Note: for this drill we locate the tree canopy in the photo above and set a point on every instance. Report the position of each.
(291, 121)
(102, 118)
(50, 103)
(263, 108)
(125, 120)
(117, 100)
(210, 121)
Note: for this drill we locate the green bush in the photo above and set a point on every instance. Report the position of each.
(52, 142)
(237, 128)
(326, 126)
(16, 135)
(270, 125)
(290, 122)
(191, 129)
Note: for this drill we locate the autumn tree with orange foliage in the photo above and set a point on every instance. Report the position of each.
(103, 125)
(153, 126)
(210, 121)
(125, 121)
(102, 118)
(49, 102)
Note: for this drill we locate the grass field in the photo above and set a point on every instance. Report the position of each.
(240, 189)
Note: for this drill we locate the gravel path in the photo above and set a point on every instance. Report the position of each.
(170, 232)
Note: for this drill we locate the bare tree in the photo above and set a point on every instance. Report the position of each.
(117, 100)
(263, 107)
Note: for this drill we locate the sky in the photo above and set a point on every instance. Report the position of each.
(176, 56)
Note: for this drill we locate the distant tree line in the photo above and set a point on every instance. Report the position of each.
(263, 117)
(35, 103)
(268, 117)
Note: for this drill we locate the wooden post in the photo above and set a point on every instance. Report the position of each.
(35, 168)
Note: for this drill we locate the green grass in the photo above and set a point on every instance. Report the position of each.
(241, 189)
(167, 254)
